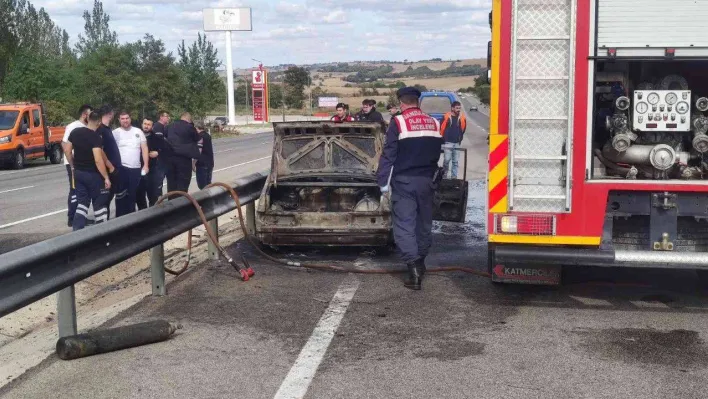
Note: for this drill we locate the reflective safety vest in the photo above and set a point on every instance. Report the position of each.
(414, 123)
(446, 122)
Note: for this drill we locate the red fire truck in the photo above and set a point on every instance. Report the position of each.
(598, 136)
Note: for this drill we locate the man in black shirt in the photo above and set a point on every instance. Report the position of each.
(163, 118)
(150, 186)
(205, 164)
(182, 140)
(369, 113)
(89, 175)
(110, 152)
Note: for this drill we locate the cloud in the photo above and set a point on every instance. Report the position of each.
(302, 31)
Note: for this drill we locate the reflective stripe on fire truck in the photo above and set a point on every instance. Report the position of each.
(543, 240)
(498, 172)
(498, 141)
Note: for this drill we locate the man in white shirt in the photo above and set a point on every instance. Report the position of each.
(132, 146)
(72, 202)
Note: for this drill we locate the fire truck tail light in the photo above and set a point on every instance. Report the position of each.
(526, 224)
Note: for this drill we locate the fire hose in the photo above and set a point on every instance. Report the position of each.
(247, 272)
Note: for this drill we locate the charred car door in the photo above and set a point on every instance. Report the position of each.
(450, 203)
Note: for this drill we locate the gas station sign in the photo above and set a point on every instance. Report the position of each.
(259, 85)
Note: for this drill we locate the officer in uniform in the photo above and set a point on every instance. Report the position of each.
(90, 178)
(408, 168)
(182, 140)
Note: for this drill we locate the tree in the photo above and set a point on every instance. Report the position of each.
(296, 78)
(201, 87)
(8, 39)
(275, 95)
(157, 73)
(393, 98)
(243, 90)
(97, 29)
(482, 90)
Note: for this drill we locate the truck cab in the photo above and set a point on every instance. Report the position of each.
(436, 103)
(25, 136)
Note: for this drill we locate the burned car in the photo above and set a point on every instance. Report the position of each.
(322, 187)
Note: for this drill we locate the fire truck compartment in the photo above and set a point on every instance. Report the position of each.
(649, 120)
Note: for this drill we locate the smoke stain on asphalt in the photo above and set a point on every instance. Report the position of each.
(675, 348)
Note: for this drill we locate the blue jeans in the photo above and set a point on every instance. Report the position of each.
(90, 190)
(451, 156)
(203, 176)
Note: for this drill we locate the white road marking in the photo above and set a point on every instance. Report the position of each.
(303, 371)
(234, 166)
(16, 189)
(28, 170)
(650, 305)
(591, 301)
(32, 218)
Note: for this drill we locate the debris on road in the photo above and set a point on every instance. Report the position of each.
(113, 339)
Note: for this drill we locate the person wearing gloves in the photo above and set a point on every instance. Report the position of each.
(408, 168)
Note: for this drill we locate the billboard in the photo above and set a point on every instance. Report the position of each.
(324, 102)
(227, 19)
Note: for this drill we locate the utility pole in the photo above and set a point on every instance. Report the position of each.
(309, 88)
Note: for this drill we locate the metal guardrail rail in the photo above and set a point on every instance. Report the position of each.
(34, 272)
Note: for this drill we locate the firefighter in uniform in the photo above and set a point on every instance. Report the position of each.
(408, 168)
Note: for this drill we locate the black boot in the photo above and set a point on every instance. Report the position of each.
(413, 280)
(420, 265)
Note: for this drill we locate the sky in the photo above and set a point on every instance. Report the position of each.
(302, 31)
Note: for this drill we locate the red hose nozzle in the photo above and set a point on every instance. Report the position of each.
(244, 275)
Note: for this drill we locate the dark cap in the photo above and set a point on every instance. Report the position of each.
(408, 91)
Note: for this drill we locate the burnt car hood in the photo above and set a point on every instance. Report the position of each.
(326, 149)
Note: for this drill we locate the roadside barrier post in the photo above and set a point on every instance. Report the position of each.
(213, 250)
(66, 311)
(251, 217)
(157, 270)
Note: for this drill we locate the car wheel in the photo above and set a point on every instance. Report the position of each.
(18, 161)
(56, 155)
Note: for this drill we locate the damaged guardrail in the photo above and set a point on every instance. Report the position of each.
(34, 272)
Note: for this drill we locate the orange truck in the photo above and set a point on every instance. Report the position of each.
(25, 136)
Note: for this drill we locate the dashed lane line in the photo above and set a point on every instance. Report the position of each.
(300, 377)
(15, 189)
(4, 226)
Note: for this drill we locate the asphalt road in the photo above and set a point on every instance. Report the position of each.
(290, 333)
(33, 200)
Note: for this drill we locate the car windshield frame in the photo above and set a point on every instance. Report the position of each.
(435, 104)
(6, 116)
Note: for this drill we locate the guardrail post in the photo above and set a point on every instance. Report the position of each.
(66, 312)
(213, 250)
(251, 217)
(157, 270)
